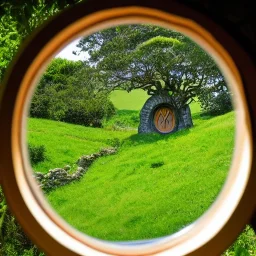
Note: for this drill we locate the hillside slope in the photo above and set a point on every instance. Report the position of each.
(154, 186)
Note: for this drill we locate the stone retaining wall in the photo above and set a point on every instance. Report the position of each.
(61, 176)
(182, 115)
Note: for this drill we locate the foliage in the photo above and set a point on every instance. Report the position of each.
(152, 58)
(36, 153)
(19, 19)
(13, 241)
(114, 142)
(245, 245)
(9, 41)
(215, 103)
(90, 111)
(68, 91)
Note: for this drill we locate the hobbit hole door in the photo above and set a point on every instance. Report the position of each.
(164, 120)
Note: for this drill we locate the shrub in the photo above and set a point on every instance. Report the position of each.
(214, 104)
(39, 106)
(68, 91)
(13, 240)
(89, 112)
(36, 153)
(114, 142)
(72, 105)
(244, 245)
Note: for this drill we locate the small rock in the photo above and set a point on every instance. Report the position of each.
(67, 168)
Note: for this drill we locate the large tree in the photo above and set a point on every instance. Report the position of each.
(152, 58)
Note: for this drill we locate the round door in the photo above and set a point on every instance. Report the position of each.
(164, 120)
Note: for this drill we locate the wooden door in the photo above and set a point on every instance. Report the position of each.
(164, 120)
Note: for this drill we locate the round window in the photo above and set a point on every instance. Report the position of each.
(227, 212)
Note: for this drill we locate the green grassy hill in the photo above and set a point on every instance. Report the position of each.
(71, 141)
(154, 186)
(133, 100)
(65, 143)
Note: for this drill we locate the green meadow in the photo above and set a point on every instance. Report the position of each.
(155, 184)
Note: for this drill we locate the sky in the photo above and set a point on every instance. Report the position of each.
(66, 53)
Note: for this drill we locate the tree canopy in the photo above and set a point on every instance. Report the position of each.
(152, 58)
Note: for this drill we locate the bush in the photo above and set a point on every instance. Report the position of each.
(69, 92)
(215, 103)
(13, 241)
(114, 142)
(244, 245)
(36, 153)
(89, 112)
(72, 105)
(39, 106)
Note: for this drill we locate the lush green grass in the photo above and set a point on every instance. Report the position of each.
(195, 107)
(123, 120)
(128, 106)
(133, 100)
(65, 143)
(122, 197)
(154, 186)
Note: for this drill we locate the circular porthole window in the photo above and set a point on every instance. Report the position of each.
(225, 215)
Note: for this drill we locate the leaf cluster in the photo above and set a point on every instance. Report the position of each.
(36, 153)
(13, 241)
(19, 19)
(69, 91)
(152, 58)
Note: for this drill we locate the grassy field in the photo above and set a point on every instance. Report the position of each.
(65, 143)
(133, 100)
(71, 141)
(153, 186)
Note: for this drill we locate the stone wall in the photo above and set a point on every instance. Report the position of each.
(185, 118)
(182, 115)
(61, 176)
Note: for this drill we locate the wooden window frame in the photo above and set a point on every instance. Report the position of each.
(213, 231)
